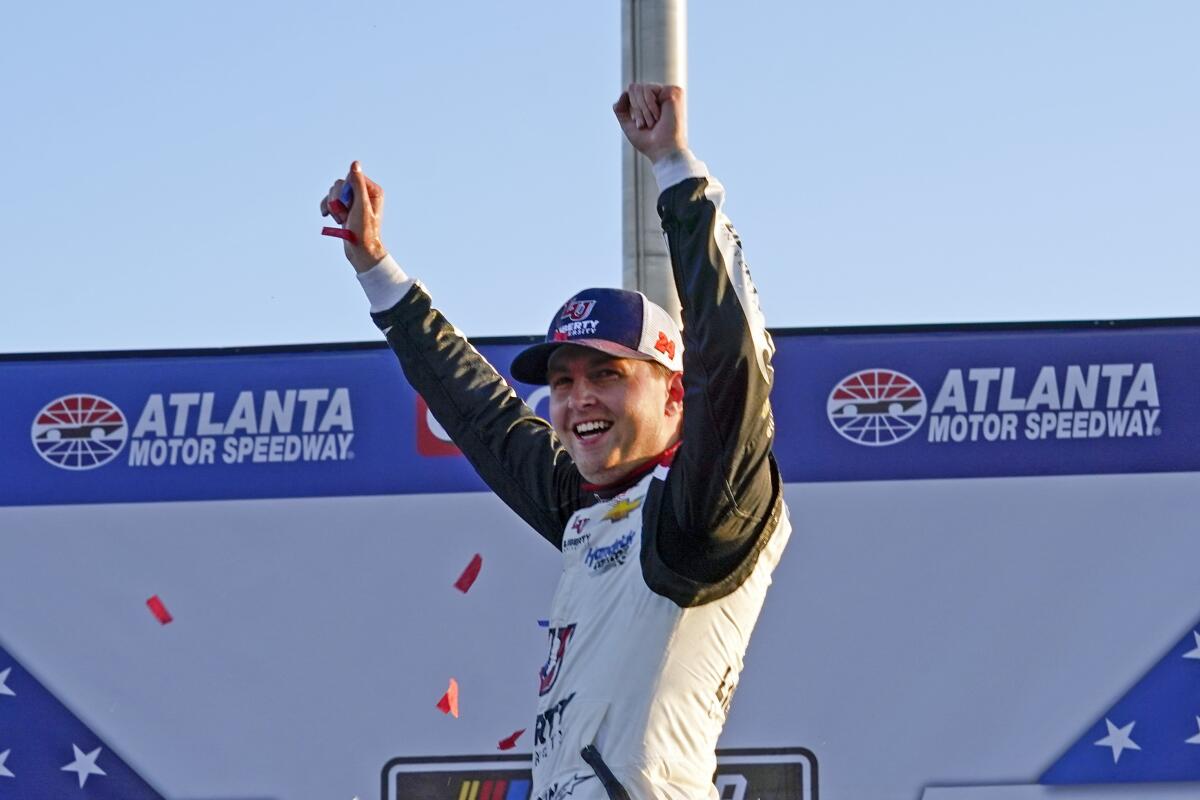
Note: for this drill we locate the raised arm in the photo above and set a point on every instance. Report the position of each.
(723, 491)
(516, 453)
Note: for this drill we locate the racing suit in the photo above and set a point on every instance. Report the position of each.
(664, 575)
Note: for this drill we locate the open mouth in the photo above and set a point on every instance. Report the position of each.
(592, 429)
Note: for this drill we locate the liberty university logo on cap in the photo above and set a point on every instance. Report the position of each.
(576, 310)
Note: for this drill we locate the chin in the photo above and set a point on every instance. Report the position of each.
(613, 474)
(599, 474)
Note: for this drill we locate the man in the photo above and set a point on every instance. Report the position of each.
(654, 477)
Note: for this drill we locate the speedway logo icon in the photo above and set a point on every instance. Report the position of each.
(85, 431)
(79, 431)
(876, 407)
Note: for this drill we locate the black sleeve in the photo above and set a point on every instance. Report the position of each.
(723, 494)
(516, 452)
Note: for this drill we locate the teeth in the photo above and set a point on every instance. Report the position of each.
(592, 427)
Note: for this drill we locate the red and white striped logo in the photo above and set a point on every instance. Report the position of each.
(79, 431)
(876, 407)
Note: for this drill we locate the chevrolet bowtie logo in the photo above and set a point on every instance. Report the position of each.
(622, 509)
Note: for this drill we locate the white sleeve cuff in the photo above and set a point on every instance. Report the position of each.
(385, 284)
(679, 166)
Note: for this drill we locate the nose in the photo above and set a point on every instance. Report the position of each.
(581, 395)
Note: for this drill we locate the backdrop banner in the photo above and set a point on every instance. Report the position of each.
(230, 576)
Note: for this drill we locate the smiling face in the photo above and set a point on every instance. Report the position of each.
(613, 414)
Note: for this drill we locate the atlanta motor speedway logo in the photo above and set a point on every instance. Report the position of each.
(79, 431)
(879, 407)
(876, 407)
(84, 431)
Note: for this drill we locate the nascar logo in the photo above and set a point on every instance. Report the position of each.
(746, 774)
(876, 407)
(79, 431)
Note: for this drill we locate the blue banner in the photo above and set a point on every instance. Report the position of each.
(848, 406)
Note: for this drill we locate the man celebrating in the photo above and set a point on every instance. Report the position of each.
(654, 477)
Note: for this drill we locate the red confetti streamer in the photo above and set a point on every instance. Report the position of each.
(511, 741)
(340, 233)
(449, 702)
(159, 610)
(469, 574)
(338, 209)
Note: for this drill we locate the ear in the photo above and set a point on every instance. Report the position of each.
(675, 394)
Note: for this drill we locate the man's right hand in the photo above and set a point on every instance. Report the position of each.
(364, 220)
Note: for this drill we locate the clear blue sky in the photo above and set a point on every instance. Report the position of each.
(886, 162)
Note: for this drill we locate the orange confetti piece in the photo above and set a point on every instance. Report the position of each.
(449, 702)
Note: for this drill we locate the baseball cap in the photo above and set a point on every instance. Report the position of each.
(620, 322)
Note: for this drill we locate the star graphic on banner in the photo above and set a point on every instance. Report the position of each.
(84, 765)
(1118, 739)
(1195, 651)
(1195, 739)
(4, 773)
(3, 679)
(622, 509)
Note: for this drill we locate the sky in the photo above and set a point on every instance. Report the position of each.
(886, 163)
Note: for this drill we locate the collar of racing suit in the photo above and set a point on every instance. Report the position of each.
(607, 491)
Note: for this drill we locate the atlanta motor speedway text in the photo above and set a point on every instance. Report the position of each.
(267, 427)
(1084, 402)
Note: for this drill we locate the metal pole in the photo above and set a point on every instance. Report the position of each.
(654, 50)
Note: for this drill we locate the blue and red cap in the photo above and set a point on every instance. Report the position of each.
(619, 322)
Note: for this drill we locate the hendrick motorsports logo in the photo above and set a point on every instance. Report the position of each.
(876, 407)
(196, 428)
(79, 431)
(997, 404)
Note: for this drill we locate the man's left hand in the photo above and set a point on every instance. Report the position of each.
(653, 118)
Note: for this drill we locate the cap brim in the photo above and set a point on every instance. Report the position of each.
(531, 364)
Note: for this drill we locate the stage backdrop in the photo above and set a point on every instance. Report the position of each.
(993, 589)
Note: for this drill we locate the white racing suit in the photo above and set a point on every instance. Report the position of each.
(663, 576)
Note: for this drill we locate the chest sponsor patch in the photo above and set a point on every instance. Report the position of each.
(571, 542)
(622, 509)
(601, 559)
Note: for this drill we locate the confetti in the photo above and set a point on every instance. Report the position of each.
(338, 210)
(449, 702)
(159, 610)
(340, 233)
(510, 742)
(469, 574)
